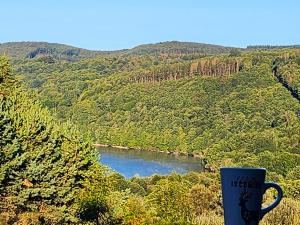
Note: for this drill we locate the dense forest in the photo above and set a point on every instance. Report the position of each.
(32, 50)
(231, 107)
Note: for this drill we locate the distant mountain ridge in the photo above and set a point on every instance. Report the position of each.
(37, 49)
(176, 47)
(48, 52)
(271, 46)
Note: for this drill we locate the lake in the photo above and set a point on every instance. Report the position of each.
(132, 163)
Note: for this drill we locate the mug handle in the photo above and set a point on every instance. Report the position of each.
(268, 185)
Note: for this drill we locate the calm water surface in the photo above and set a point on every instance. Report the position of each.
(144, 163)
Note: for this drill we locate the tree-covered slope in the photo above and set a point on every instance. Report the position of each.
(287, 70)
(229, 109)
(33, 50)
(176, 47)
(40, 50)
(216, 107)
(44, 163)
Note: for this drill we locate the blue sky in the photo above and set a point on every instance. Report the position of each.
(118, 24)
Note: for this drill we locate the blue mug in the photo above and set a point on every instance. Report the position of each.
(242, 191)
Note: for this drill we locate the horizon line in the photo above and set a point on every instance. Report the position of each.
(153, 43)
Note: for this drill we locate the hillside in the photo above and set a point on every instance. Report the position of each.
(44, 163)
(176, 47)
(229, 110)
(207, 106)
(33, 50)
(264, 47)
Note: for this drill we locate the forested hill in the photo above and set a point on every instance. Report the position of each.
(229, 109)
(54, 51)
(176, 47)
(217, 107)
(35, 50)
(44, 163)
(271, 46)
(31, 50)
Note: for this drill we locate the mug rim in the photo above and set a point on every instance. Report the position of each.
(243, 168)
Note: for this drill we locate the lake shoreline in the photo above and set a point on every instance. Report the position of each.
(132, 162)
(150, 150)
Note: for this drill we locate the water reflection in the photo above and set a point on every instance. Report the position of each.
(144, 163)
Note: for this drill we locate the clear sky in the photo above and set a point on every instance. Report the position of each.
(118, 24)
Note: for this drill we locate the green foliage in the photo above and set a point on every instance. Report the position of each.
(33, 50)
(4, 69)
(43, 163)
(234, 53)
(228, 109)
(289, 69)
(175, 47)
(286, 213)
(169, 198)
(223, 108)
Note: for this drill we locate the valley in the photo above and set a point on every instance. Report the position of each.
(228, 106)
